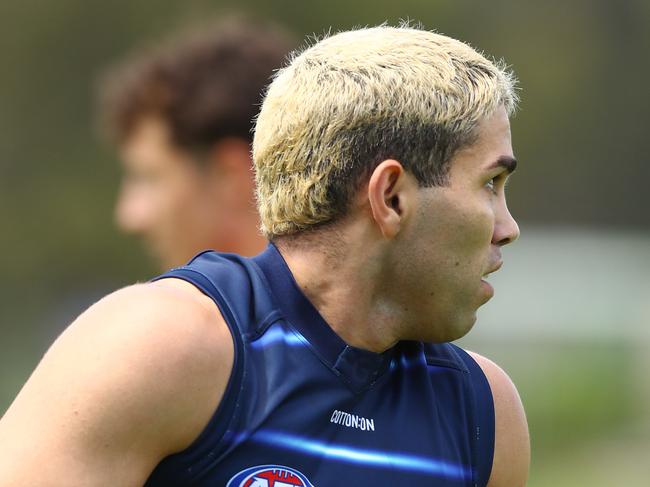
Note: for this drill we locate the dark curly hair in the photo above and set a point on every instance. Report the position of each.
(206, 84)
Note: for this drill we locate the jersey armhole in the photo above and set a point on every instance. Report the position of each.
(484, 413)
(192, 461)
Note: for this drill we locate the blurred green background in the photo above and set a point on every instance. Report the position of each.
(571, 316)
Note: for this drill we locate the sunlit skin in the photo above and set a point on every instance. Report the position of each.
(179, 205)
(416, 258)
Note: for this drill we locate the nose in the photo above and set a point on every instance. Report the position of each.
(506, 229)
(132, 210)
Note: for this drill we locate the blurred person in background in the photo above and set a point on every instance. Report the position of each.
(181, 116)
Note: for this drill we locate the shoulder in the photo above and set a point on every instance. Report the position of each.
(512, 442)
(135, 378)
(169, 316)
(164, 343)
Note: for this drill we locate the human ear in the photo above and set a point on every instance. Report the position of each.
(386, 196)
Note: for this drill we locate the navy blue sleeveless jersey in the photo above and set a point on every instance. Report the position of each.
(302, 408)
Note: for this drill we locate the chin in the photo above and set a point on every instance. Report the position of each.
(454, 329)
(462, 327)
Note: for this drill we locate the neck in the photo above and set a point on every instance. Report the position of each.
(345, 284)
(242, 235)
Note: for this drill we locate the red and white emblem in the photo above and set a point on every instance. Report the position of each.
(269, 476)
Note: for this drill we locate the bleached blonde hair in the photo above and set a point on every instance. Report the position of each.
(360, 97)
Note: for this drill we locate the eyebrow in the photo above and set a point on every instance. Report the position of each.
(507, 162)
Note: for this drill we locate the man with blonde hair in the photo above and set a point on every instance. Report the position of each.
(381, 158)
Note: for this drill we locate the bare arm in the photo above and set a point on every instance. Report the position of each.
(133, 379)
(512, 443)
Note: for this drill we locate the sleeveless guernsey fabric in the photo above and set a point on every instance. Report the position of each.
(302, 408)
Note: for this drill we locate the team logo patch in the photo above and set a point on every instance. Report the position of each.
(269, 476)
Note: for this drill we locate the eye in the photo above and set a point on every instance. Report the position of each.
(498, 183)
(492, 184)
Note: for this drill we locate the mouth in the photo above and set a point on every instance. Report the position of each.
(494, 269)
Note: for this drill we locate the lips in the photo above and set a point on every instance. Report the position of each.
(495, 268)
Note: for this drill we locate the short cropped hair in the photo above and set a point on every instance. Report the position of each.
(357, 98)
(206, 84)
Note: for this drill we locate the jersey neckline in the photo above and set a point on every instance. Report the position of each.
(359, 368)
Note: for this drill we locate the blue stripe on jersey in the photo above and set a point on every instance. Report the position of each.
(279, 336)
(365, 457)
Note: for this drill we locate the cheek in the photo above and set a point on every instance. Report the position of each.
(178, 192)
(467, 249)
(471, 233)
